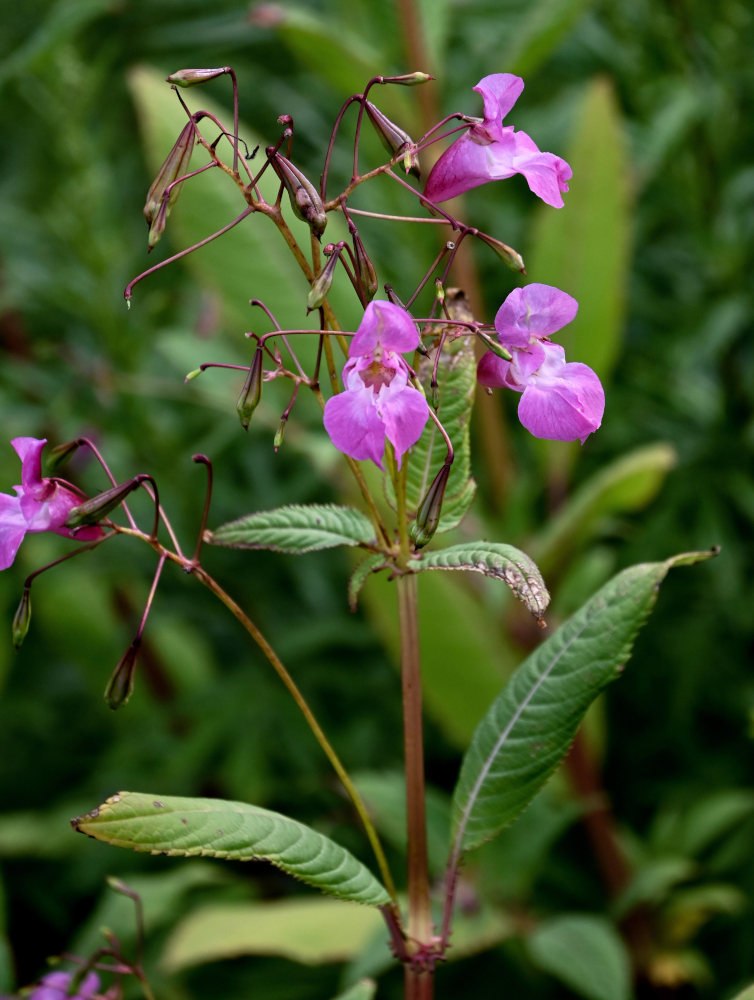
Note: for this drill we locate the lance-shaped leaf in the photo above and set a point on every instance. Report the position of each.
(234, 831)
(531, 724)
(296, 528)
(502, 562)
(456, 384)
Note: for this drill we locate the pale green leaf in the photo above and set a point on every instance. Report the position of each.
(538, 32)
(385, 797)
(310, 931)
(531, 724)
(748, 994)
(296, 528)
(626, 484)
(496, 560)
(234, 831)
(584, 249)
(365, 989)
(584, 952)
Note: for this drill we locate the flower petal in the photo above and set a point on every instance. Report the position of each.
(12, 528)
(405, 414)
(29, 450)
(565, 407)
(500, 92)
(387, 324)
(354, 426)
(536, 310)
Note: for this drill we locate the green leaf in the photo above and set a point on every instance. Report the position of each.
(456, 384)
(592, 235)
(365, 989)
(748, 994)
(539, 31)
(385, 797)
(359, 576)
(311, 931)
(296, 528)
(235, 831)
(584, 952)
(626, 484)
(496, 560)
(530, 725)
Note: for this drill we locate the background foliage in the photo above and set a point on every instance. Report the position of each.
(651, 105)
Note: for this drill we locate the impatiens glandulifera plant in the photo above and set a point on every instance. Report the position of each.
(399, 393)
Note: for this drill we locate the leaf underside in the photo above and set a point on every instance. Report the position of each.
(496, 560)
(234, 831)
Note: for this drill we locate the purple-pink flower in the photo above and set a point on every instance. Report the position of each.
(491, 151)
(55, 986)
(377, 402)
(40, 504)
(560, 401)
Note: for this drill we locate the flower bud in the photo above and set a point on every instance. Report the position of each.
(191, 77)
(408, 79)
(121, 685)
(494, 345)
(157, 207)
(394, 139)
(252, 390)
(305, 199)
(93, 510)
(21, 619)
(428, 514)
(279, 434)
(57, 457)
(323, 281)
(365, 271)
(512, 258)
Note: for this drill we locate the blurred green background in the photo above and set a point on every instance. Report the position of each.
(651, 104)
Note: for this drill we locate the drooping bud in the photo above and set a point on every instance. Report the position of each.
(193, 374)
(93, 510)
(279, 434)
(191, 77)
(428, 514)
(57, 457)
(365, 271)
(121, 684)
(305, 199)
(252, 390)
(494, 345)
(21, 619)
(158, 205)
(510, 257)
(394, 139)
(323, 281)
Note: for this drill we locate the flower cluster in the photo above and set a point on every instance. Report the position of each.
(377, 402)
(40, 504)
(560, 401)
(491, 151)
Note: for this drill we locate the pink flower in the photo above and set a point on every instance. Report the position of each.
(560, 401)
(55, 985)
(490, 151)
(377, 401)
(41, 504)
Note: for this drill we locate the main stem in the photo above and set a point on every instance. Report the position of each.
(418, 981)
